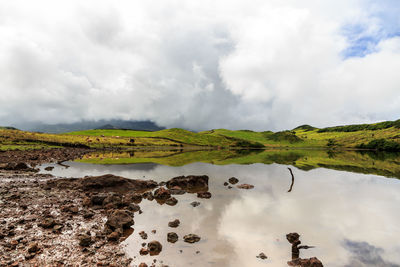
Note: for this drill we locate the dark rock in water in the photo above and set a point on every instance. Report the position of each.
(191, 238)
(292, 237)
(142, 264)
(204, 195)
(192, 183)
(172, 237)
(134, 207)
(143, 251)
(171, 201)
(175, 223)
(154, 248)
(85, 240)
(311, 262)
(49, 168)
(262, 256)
(195, 204)
(226, 184)
(176, 190)
(143, 234)
(120, 219)
(162, 193)
(245, 186)
(233, 180)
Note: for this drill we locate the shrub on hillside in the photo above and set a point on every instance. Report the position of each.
(381, 145)
(285, 136)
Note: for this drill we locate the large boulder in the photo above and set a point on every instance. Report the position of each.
(191, 183)
(120, 219)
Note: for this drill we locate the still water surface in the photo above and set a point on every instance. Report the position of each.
(351, 219)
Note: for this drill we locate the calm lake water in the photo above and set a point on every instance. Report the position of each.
(352, 219)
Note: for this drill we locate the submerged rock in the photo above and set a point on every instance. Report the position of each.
(204, 195)
(233, 180)
(191, 238)
(262, 256)
(245, 186)
(172, 237)
(154, 248)
(175, 223)
(195, 204)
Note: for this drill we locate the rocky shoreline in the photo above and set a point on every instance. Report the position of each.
(49, 221)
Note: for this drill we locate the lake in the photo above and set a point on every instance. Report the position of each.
(352, 218)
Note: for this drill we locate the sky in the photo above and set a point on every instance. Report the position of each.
(237, 64)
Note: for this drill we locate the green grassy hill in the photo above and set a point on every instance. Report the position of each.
(378, 136)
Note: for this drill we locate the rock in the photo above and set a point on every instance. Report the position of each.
(49, 168)
(142, 264)
(172, 237)
(175, 223)
(311, 262)
(74, 209)
(153, 231)
(143, 251)
(18, 166)
(143, 234)
(114, 236)
(113, 201)
(33, 247)
(85, 240)
(204, 195)
(292, 237)
(47, 223)
(162, 194)
(120, 219)
(226, 184)
(134, 207)
(154, 248)
(191, 238)
(57, 227)
(233, 180)
(262, 256)
(176, 190)
(88, 214)
(245, 186)
(192, 183)
(117, 183)
(195, 204)
(98, 199)
(171, 201)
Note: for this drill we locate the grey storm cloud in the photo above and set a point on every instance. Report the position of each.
(196, 64)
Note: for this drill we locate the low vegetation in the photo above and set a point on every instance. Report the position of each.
(379, 136)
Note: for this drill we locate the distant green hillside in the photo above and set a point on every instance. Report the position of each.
(383, 136)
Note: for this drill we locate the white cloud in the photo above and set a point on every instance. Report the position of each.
(259, 65)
